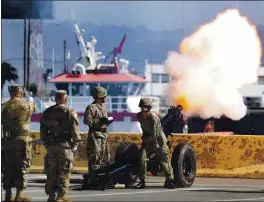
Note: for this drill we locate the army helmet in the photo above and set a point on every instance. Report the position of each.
(145, 102)
(99, 92)
(15, 88)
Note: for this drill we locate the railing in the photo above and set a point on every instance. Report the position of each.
(113, 103)
(118, 104)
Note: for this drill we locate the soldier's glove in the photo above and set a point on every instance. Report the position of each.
(106, 120)
(44, 144)
(31, 99)
(74, 149)
(110, 119)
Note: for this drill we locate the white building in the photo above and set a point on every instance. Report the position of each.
(158, 79)
(254, 94)
(157, 84)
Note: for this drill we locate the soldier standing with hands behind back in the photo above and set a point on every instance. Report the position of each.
(16, 143)
(59, 131)
(96, 118)
(153, 142)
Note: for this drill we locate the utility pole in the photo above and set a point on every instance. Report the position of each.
(25, 51)
(151, 72)
(28, 54)
(53, 58)
(64, 57)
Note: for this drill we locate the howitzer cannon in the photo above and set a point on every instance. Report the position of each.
(125, 167)
(174, 114)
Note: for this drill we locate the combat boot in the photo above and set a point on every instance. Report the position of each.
(166, 183)
(141, 185)
(62, 197)
(8, 196)
(169, 184)
(52, 197)
(21, 197)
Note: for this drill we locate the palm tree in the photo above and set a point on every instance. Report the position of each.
(9, 73)
(46, 75)
(33, 88)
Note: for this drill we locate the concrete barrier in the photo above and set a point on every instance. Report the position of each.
(218, 155)
(225, 155)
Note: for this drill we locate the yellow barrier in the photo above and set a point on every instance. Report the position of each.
(221, 155)
(218, 155)
(81, 163)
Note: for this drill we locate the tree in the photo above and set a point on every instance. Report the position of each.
(9, 73)
(33, 88)
(46, 75)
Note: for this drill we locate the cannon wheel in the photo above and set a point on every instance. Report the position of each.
(183, 162)
(125, 149)
(90, 182)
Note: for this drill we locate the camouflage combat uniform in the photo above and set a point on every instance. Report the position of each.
(59, 131)
(16, 142)
(153, 142)
(97, 148)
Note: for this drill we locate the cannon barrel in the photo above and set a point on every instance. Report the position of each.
(174, 114)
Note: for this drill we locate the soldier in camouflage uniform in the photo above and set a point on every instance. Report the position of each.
(16, 142)
(96, 118)
(153, 142)
(59, 131)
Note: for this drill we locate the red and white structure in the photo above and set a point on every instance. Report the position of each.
(124, 89)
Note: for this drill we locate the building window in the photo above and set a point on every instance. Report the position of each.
(252, 102)
(261, 80)
(165, 78)
(155, 78)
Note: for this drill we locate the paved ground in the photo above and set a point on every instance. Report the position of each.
(204, 189)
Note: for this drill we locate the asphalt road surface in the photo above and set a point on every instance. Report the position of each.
(204, 189)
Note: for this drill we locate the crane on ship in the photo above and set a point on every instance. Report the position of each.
(88, 56)
(116, 50)
(87, 62)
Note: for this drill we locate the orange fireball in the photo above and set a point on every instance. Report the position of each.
(184, 102)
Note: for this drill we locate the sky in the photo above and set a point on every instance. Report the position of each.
(155, 15)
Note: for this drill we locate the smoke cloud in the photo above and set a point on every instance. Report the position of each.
(213, 63)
